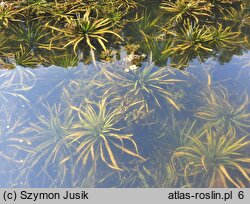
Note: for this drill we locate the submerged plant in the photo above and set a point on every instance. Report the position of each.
(48, 153)
(23, 77)
(214, 160)
(86, 30)
(25, 58)
(240, 17)
(10, 89)
(147, 27)
(65, 60)
(191, 42)
(147, 84)
(175, 133)
(98, 133)
(10, 125)
(75, 91)
(10, 159)
(161, 50)
(4, 47)
(182, 9)
(224, 38)
(8, 13)
(36, 7)
(125, 5)
(144, 177)
(219, 112)
(31, 35)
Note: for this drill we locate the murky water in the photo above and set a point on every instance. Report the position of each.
(174, 117)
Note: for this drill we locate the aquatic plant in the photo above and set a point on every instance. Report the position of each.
(8, 13)
(143, 177)
(126, 95)
(23, 77)
(147, 84)
(147, 26)
(224, 38)
(26, 58)
(31, 35)
(98, 132)
(36, 7)
(125, 5)
(219, 112)
(240, 17)
(84, 26)
(214, 160)
(161, 50)
(175, 133)
(10, 89)
(4, 47)
(75, 92)
(64, 60)
(47, 147)
(182, 9)
(192, 41)
(88, 30)
(64, 11)
(156, 172)
(9, 126)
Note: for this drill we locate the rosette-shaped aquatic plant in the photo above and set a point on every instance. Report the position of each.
(98, 134)
(237, 17)
(213, 160)
(224, 38)
(36, 7)
(10, 157)
(175, 133)
(31, 35)
(147, 27)
(87, 30)
(182, 9)
(219, 112)
(192, 41)
(26, 58)
(65, 60)
(9, 88)
(4, 47)
(48, 151)
(8, 13)
(9, 126)
(147, 84)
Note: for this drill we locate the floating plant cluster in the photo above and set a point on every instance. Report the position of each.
(127, 119)
(63, 33)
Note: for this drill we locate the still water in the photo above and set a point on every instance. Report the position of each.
(116, 125)
(124, 93)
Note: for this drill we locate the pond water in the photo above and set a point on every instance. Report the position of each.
(150, 112)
